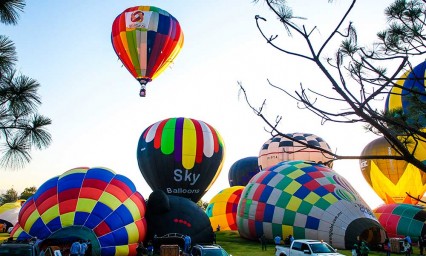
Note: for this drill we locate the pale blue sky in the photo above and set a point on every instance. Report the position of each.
(94, 103)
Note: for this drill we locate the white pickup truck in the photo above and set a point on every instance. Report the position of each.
(302, 247)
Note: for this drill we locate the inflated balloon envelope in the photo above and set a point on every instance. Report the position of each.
(307, 200)
(392, 179)
(146, 39)
(181, 156)
(94, 204)
(400, 220)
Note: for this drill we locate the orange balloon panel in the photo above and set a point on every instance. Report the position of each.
(222, 208)
(391, 179)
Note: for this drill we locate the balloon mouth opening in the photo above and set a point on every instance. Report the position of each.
(364, 229)
(144, 81)
(64, 237)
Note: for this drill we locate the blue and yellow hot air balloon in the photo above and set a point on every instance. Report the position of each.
(93, 204)
(399, 96)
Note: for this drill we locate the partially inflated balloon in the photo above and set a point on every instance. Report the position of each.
(400, 220)
(280, 148)
(391, 179)
(180, 156)
(19, 234)
(222, 208)
(242, 171)
(146, 39)
(9, 212)
(90, 204)
(306, 200)
(174, 214)
(399, 96)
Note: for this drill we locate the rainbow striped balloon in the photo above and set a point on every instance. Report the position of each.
(89, 204)
(181, 156)
(222, 209)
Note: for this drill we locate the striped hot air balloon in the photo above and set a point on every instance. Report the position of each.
(181, 156)
(222, 208)
(93, 204)
(146, 39)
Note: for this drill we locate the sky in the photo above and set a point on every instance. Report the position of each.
(98, 116)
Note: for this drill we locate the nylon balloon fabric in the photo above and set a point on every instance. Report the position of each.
(93, 204)
(147, 39)
(280, 148)
(181, 156)
(391, 179)
(307, 200)
(242, 171)
(400, 220)
(399, 96)
(222, 208)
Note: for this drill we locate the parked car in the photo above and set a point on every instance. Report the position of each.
(21, 248)
(208, 250)
(301, 247)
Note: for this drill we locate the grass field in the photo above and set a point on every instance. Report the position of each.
(237, 246)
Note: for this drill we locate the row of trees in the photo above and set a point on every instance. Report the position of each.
(359, 76)
(11, 195)
(22, 128)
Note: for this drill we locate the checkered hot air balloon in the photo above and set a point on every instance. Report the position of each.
(93, 204)
(280, 148)
(307, 200)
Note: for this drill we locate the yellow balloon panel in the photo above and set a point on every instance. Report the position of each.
(391, 179)
(222, 208)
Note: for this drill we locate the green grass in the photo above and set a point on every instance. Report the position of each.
(237, 246)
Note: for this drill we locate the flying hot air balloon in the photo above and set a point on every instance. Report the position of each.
(180, 156)
(146, 39)
(391, 179)
(280, 148)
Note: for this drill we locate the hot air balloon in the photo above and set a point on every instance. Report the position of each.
(9, 213)
(399, 96)
(279, 148)
(307, 200)
(18, 234)
(222, 208)
(93, 204)
(180, 156)
(146, 39)
(400, 220)
(391, 179)
(174, 214)
(242, 170)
